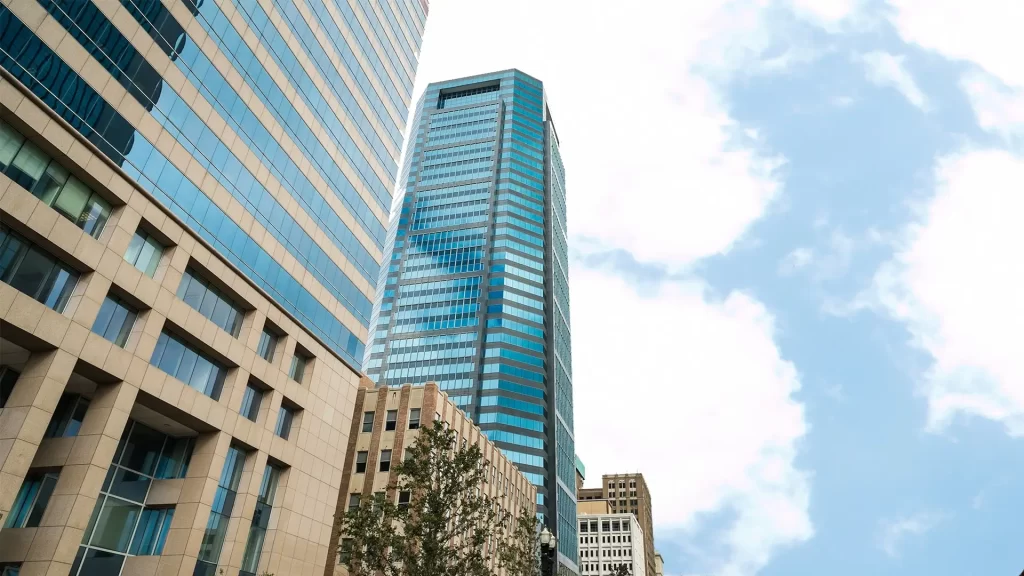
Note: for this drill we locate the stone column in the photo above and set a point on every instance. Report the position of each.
(67, 516)
(26, 416)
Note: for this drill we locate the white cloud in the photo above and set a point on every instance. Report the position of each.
(692, 391)
(655, 164)
(955, 281)
(998, 108)
(893, 532)
(827, 13)
(888, 70)
(985, 33)
(796, 260)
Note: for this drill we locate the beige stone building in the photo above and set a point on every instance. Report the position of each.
(627, 493)
(142, 432)
(659, 564)
(386, 423)
(593, 507)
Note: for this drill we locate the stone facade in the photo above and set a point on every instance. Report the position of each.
(371, 436)
(166, 443)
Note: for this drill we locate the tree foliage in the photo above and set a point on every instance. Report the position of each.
(621, 570)
(449, 526)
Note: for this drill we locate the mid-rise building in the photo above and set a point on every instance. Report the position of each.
(475, 295)
(628, 493)
(659, 564)
(386, 423)
(193, 206)
(608, 541)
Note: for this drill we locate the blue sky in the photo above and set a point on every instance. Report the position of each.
(795, 272)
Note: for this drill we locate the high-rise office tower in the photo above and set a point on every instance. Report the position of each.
(475, 295)
(194, 198)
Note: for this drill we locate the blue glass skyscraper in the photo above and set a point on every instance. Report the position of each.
(475, 295)
(295, 108)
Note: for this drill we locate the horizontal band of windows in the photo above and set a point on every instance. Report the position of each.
(518, 272)
(513, 340)
(439, 340)
(526, 261)
(431, 356)
(516, 284)
(514, 356)
(505, 218)
(516, 312)
(432, 271)
(443, 324)
(522, 163)
(517, 298)
(515, 326)
(452, 209)
(513, 421)
(520, 211)
(451, 177)
(422, 287)
(447, 165)
(523, 140)
(514, 371)
(515, 198)
(505, 174)
(449, 220)
(523, 459)
(439, 119)
(513, 187)
(513, 438)
(463, 294)
(513, 387)
(463, 152)
(427, 371)
(426, 311)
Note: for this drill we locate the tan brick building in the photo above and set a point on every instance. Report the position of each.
(143, 431)
(386, 422)
(628, 493)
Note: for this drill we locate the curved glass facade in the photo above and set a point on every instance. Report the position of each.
(475, 296)
(215, 108)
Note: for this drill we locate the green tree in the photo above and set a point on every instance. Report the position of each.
(448, 528)
(518, 551)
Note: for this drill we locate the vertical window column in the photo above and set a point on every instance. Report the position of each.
(260, 520)
(223, 506)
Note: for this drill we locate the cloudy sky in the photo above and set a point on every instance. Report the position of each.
(796, 268)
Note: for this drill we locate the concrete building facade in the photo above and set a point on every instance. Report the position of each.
(610, 540)
(476, 296)
(628, 493)
(387, 422)
(160, 413)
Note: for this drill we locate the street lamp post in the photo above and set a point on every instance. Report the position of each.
(547, 552)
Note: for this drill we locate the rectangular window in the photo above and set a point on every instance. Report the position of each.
(353, 501)
(391, 422)
(267, 345)
(298, 368)
(345, 551)
(151, 533)
(251, 400)
(385, 460)
(30, 504)
(217, 307)
(404, 498)
(361, 462)
(367, 421)
(7, 379)
(414, 419)
(144, 253)
(284, 422)
(34, 170)
(115, 320)
(223, 502)
(260, 520)
(187, 364)
(34, 272)
(67, 417)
